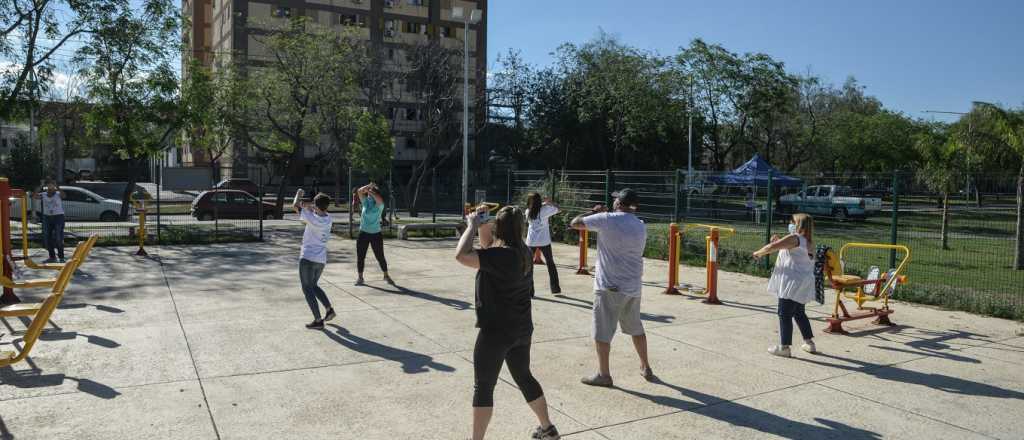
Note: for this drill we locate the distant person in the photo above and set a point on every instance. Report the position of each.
(313, 256)
(52, 199)
(538, 235)
(792, 282)
(621, 238)
(504, 285)
(369, 231)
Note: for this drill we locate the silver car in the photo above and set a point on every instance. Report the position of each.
(80, 204)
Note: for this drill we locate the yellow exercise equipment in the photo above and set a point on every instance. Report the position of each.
(40, 316)
(862, 290)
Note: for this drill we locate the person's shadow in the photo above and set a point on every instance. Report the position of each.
(412, 362)
(744, 416)
(450, 302)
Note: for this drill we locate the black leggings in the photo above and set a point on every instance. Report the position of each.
(552, 270)
(376, 241)
(789, 311)
(491, 350)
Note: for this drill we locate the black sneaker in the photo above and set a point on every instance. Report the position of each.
(315, 325)
(330, 314)
(546, 434)
(556, 290)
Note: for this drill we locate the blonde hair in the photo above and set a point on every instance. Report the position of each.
(804, 225)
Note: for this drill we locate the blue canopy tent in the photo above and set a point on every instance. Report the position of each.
(755, 173)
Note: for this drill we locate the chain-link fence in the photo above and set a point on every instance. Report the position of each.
(968, 264)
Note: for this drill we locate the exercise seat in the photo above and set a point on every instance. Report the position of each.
(29, 309)
(80, 253)
(40, 317)
(861, 290)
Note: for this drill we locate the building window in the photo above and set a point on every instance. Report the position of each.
(410, 27)
(418, 3)
(445, 31)
(353, 20)
(410, 144)
(391, 113)
(391, 53)
(282, 12)
(411, 114)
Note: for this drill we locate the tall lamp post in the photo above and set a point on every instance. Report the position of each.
(467, 17)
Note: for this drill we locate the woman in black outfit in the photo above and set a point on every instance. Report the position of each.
(504, 285)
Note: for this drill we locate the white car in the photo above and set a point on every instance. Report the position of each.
(80, 204)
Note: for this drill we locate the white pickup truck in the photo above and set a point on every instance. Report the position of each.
(830, 200)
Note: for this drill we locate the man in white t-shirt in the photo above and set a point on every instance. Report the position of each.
(621, 238)
(313, 256)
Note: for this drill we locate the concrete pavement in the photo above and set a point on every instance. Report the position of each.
(207, 342)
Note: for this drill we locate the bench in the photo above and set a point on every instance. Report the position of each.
(403, 230)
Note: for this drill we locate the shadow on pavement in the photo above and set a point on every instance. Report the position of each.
(744, 416)
(412, 362)
(936, 381)
(589, 305)
(450, 302)
(32, 379)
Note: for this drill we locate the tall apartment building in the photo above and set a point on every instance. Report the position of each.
(229, 27)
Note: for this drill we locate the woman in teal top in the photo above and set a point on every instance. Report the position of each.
(369, 230)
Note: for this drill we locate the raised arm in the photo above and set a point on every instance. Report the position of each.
(464, 252)
(552, 204)
(298, 204)
(577, 222)
(788, 242)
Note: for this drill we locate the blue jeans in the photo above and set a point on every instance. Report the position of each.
(790, 311)
(309, 275)
(53, 235)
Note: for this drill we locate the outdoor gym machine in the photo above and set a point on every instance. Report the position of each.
(877, 286)
(675, 247)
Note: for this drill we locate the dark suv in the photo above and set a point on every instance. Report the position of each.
(231, 204)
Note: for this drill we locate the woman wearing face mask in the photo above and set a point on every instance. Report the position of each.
(792, 281)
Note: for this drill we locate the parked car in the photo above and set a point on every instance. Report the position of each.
(231, 204)
(830, 200)
(240, 184)
(114, 190)
(80, 204)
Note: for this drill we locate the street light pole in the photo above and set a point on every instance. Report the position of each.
(465, 112)
(467, 17)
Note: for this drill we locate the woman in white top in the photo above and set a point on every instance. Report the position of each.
(538, 234)
(792, 281)
(52, 198)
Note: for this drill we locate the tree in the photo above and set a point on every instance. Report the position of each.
(1009, 127)
(33, 32)
(209, 110)
(433, 82)
(24, 167)
(282, 115)
(373, 148)
(130, 79)
(940, 169)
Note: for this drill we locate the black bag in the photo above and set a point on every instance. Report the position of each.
(819, 272)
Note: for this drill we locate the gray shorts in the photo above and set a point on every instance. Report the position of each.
(612, 308)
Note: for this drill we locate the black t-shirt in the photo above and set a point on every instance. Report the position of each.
(503, 292)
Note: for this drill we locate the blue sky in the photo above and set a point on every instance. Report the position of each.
(914, 55)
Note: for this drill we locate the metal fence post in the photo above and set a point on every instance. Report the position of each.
(159, 182)
(433, 195)
(351, 202)
(769, 214)
(259, 199)
(675, 195)
(508, 187)
(607, 187)
(894, 232)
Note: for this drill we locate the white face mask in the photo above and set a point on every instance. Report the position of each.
(792, 228)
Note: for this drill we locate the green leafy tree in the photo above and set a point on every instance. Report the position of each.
(33, 32)
(941, 167)
(282, 115)
(1008, 126)
(373, 148)
(24, 167)
(131, 81)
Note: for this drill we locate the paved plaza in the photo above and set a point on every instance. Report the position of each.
(207, 342)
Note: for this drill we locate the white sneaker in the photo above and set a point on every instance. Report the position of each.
(809, 347)
(781, 351)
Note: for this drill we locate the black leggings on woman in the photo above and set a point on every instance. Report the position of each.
(790, 311)
(376, 241)
(491, 350)
(552, 270)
